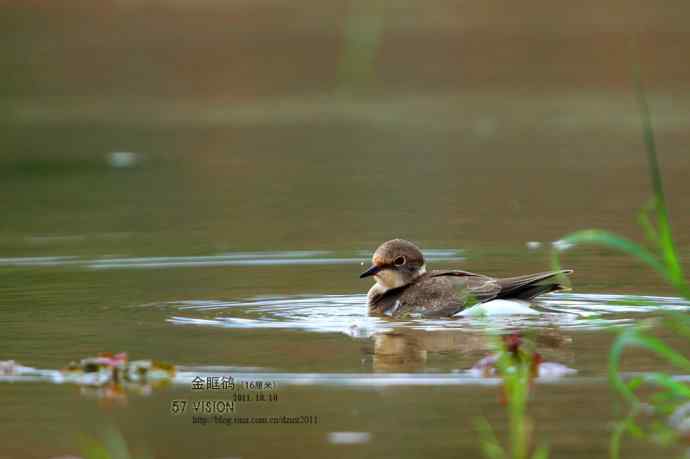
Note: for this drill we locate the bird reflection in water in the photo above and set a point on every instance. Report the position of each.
(410, 350)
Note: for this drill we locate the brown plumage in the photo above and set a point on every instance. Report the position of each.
(405, 288)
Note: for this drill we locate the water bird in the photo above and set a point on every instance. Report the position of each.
(404, 287)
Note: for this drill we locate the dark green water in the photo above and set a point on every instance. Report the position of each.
(257, 134)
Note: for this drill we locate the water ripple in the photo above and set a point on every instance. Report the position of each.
(348, 314)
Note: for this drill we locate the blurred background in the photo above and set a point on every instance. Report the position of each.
(331, 125)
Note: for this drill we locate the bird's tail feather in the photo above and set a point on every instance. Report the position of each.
(531, 285)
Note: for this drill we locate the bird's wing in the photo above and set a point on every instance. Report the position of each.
(482, 288)
(479, 289)
(463, 290)
(453, 272)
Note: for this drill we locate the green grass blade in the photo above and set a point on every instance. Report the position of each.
(633, 338)
(541, 453)
(92, 448)
(668, 248)
(489, 442)
(646, 224)
(115, 444)
(619, 431)
(650, 142)
(679, 323)
(676, 388)
(613, 241)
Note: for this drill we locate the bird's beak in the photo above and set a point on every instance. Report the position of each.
(370, 272)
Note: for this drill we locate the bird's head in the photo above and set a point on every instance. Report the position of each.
(396, 263)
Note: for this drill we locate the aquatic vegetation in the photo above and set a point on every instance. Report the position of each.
(663, 415)
(106, 376)
(517, 364)
(659, 403)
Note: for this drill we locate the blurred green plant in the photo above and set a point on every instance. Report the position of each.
(112, 445)
(516, 365)
(653, 217)
(652, 418)
(362, 36)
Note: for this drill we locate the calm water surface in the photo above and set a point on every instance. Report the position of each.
(231, 241)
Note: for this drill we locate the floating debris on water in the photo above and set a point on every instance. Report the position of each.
(114, 372)
(10, 368)
(562, 245)
(123, 159)
(106, 368)
(348, 438)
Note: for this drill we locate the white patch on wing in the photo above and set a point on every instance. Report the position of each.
(498, 308)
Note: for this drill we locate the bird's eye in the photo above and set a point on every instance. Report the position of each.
(399, 261)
